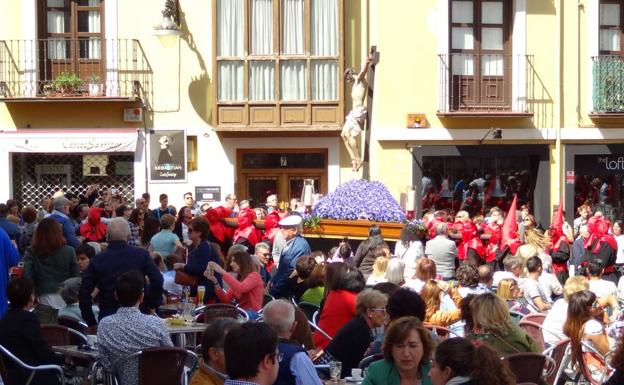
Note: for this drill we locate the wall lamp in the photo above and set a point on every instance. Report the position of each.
(168, 31)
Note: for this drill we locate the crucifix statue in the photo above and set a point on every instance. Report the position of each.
(355, 120)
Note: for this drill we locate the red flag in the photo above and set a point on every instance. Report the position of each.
(509, 236)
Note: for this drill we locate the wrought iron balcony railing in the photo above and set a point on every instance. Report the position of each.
(608, 87)
(73, 68)
(487, 83)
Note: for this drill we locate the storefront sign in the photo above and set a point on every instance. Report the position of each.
(599, 164)
(207, 193)
(168, 156)
(58, 143)
(570, 177)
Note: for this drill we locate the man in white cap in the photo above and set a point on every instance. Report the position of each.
(296, 246)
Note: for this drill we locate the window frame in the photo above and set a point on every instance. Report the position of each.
(619, 28)
(278, 105)
(477, 25)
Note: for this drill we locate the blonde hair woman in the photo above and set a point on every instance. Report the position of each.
(509, 291)
(492, 325)
(379, 272)
(440, 309)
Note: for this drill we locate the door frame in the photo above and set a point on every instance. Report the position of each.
(282, 173)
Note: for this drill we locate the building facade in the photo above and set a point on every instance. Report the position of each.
(472, 100)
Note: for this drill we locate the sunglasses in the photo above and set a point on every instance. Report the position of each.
(266, 254)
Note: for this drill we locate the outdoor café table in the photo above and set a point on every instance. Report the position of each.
(170, 307)
(72, 351)
(187, 328)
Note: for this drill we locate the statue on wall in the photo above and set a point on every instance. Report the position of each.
(356, 119)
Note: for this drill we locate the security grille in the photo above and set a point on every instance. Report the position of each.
(37, 176)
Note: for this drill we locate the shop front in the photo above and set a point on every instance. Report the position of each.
(594, 175)
(477, 178)
(44, 161)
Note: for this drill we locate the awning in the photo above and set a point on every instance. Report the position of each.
(69, 141)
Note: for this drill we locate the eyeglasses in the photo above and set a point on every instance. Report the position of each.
(381, 309)
(266, 254)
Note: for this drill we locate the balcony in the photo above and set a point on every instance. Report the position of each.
(73, 70)
(492, 85)
(608, 87)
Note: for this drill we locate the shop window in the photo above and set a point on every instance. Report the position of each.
(476, 184)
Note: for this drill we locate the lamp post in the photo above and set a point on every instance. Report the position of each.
(168, 31)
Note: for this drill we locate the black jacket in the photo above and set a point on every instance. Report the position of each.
(20, 333)
(103, 271)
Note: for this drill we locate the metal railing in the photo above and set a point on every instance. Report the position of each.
(483, 83)
(61, 67)
(608, 87)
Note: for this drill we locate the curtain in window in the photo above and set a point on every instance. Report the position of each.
(230, 80)
(324, 80)
(262, 80)
(293, 79)
(57, 48)
(324, 28)
(230, 43)
(293, 27)
(261, 27)
(95, 45)
(230, 28)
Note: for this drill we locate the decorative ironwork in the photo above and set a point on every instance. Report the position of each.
(608, 90)
(37, 176)
(484, 83)
(62, 67)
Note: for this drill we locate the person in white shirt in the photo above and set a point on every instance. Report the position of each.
(552, 328)
(513, 269)
(533, 291)
(409, 249)
(549, 282)
(597, 285)
(618, 227)
(379, 272)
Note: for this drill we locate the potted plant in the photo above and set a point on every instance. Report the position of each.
(94, 85)
(67, 84)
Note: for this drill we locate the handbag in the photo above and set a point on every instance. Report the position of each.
(185, 279)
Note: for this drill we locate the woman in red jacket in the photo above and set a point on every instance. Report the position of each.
(247, 289)
(339, 305)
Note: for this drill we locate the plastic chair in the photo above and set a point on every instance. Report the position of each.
(538, 318)
(308, 308)
(366, 361)
(530, 367)
(4, 352)
(58, 335)
(557, 352)
(161, 366)
(534, 330)
(73, 323)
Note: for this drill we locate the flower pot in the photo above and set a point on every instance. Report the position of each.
(95, 89)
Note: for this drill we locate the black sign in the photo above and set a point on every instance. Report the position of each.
(168, 156)
(207, 193)
(599, 164)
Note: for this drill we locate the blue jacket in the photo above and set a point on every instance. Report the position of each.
(103, 271)
(69, 231)
(9, 257)
(294, 249)
(197, 262)
(12, 230)
(288, 349)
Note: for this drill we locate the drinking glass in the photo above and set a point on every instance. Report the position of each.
(189, 312)
(201, 292)
(335, 369)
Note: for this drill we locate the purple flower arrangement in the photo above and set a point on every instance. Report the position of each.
(360, 199)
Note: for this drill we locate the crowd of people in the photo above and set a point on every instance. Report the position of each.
(97, 260)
